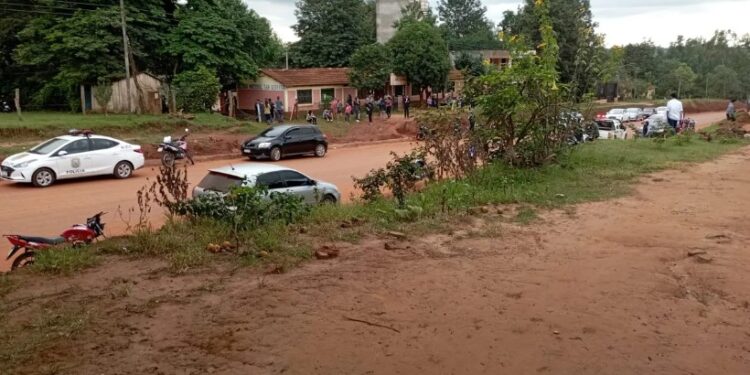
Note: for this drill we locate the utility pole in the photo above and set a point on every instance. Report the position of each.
(127, 53)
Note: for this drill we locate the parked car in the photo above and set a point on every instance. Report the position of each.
(80, 154)
(276, 178)
(611, 129)
(616, 113)
(647, 112)
(655, 125)
(632, 114)
(286, 140)
(662, 111)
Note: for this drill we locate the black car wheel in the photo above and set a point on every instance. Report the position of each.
(320, 150)
(275, 154)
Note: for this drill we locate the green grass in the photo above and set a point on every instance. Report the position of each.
(591, 172)
(66, 260)
(31, 336)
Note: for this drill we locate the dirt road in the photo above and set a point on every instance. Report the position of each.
(605, 288)
(46, 212)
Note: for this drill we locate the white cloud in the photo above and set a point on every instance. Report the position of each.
(623, 21)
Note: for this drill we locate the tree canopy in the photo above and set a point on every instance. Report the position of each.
(371, 66)
(330, 31)
(420, 54)
(465, 25)
(48, 50)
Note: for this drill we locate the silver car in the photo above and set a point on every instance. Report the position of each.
(275, 177)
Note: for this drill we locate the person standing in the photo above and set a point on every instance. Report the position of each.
(295, 110)
(407, 103)
(334, 107)
(267, 111)
(348, 112)
(259, 110)
(731, 113)
(369, 107)
(340, 107)
(388, 106)
(675, 113)
(356, 108)
(279, 110)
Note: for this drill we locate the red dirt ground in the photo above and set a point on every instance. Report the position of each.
(604, 288)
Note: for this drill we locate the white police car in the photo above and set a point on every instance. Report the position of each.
(80, 154)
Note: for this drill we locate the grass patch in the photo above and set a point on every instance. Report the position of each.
(591, 172)
(526, 215)
(6, 286)
(29, 339)
(66, 260)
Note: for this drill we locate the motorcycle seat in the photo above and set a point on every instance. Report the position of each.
(43, 240)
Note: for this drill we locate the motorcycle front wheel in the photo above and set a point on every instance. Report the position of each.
(167, 159)
(23, 260)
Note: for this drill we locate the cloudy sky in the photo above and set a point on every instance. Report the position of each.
(622, 21)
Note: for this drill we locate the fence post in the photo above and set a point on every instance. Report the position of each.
(83, 100)
(18, 104)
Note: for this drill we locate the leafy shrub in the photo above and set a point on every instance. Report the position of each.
(196, 90)
(246, 207)
(448, 140)
(400, 176)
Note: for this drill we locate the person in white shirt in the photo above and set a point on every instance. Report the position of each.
(675, 113)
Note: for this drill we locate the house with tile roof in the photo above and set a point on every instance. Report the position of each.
(309, 87)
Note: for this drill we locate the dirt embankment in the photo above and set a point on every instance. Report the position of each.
(651, 283)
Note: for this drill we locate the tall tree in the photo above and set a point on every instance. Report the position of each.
(581, 48)
(223, 36)
(371, 66)
(465, 25)
(330, 30)
(421, 55)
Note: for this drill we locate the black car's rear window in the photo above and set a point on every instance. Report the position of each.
(219, 182)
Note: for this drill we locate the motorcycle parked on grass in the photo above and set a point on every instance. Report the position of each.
(176, 150)
(76, 235)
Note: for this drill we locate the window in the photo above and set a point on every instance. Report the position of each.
(294, 179)
(294, 133)
(49, 146)
(304, 96)
(102, 144)
(398, 90)
(606, 124)
(326, 94)
(77, 147)
(219, 182)
(271, 180)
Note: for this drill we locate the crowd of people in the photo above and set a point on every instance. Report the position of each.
(350, 109)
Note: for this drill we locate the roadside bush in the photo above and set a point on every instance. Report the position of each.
(448, 142)
(400, 176)
(246, 207)
(196, 90)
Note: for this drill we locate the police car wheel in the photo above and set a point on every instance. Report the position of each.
(43, 177)
(123, 170)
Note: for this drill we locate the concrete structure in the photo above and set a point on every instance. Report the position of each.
(497, 57)
(387, 12)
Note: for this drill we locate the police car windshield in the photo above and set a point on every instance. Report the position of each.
(49, 146)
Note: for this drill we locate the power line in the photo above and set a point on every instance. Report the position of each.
(44, 7)
(37, 11)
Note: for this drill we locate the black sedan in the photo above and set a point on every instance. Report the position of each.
(286, 140)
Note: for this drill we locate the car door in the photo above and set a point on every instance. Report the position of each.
(105, 153)
(74, 160)
(272, 181)
(293, 142)
(309, 140)
(300, 185)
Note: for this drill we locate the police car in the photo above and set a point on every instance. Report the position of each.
(79, 154)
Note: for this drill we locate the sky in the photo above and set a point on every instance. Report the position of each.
(622, 21)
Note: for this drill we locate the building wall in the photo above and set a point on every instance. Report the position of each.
(386, 13)
(150, 89)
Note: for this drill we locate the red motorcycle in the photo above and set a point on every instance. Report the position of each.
(76, 235)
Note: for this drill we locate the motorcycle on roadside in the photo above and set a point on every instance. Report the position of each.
(175, 150)
(76, 235)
